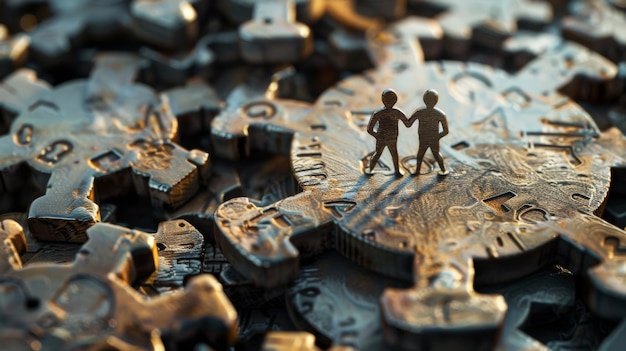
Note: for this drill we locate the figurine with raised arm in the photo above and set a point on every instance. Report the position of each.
(387, 132)
(428, 131)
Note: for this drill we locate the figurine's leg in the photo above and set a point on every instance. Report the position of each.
(393, 148)
(420, 156)
(379, 150)
(439, 158)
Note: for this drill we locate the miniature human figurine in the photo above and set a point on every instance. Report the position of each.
(387, 133)
(428, 130)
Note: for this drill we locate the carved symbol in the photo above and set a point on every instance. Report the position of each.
(55, 152)
(260, 109)
(562, 140)
(340, 207)
(107, 161)
(24, 134)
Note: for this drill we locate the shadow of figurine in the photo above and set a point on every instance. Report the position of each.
(386, 133)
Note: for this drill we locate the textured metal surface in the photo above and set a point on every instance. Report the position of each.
(89, 303)
(338, 302)
(54, 135)
(255, 175)
(433, 232)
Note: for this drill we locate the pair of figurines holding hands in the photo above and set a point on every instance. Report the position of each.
(428, 132)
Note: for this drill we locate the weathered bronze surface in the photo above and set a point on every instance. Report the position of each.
(323, 222)
(53, 136)
(524, 168)
(89, 303)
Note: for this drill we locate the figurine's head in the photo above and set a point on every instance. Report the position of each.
(431, 96)
(389, 98)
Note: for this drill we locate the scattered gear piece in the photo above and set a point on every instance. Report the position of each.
(89, 303)
(169, 24)
(224, 184)
(487, 23)
(99, 137)
(273, 35)
(75, 22)
(181, 253)
(598, 26)
(590, 76)
(176, 68)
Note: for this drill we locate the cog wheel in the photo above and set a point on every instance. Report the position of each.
(529, 171)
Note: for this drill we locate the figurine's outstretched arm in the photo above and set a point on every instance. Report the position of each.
(413, 117)
(404, 119)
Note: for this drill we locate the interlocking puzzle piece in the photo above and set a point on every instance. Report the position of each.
(96, 138)
(168, 24)
(523, 157)
(332, 283)
(194, 104)
(13, 51)
(591, 77)
(273, 35)
(181, 253)
(487, 23)
(89, 303)
(349, 50)
(73, 23)
(240, 127)
(239, 11)
(176, 68)
(266, 179)
(246, 105)
(598, 26)
(51, 252)
(224, 184)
